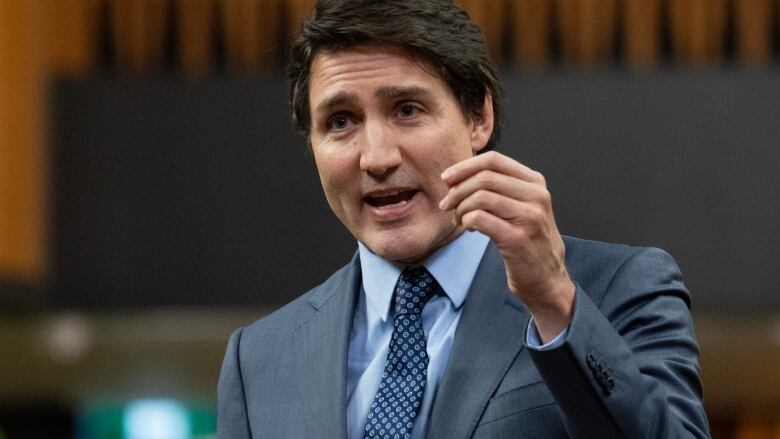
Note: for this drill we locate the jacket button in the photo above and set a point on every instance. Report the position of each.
(609, 386)
(591, 360)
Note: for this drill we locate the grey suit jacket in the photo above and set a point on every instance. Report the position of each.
(628, 368)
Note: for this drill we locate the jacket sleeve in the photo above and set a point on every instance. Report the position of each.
(232, 420)
(629, 364)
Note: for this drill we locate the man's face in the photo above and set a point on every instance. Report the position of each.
(384, 127)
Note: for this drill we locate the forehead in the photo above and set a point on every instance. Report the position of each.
(364, 69)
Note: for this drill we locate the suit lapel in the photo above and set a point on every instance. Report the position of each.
(322, 343)
(489, 337)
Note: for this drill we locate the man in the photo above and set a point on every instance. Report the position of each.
(464, 312)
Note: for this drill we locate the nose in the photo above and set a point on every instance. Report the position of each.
(380, 154)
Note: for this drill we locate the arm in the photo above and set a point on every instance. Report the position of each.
(232, 420)
(629, 368)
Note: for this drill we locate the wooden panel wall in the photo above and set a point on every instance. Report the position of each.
(531, 31)
(22, 159)
(489, 16)
(73, 37)
(195, 35)
(247, 36)
(641, 32)
(754, 31)
(138, 34)
(252, 32)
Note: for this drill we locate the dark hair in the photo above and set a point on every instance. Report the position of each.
(438, 31)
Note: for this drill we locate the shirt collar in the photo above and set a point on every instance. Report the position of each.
(453, 266)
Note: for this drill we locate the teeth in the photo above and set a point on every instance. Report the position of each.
(400, 203)
(395, 198)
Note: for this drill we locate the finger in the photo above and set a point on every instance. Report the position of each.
(499, 183)
(488, 224)
(514, 211)
(493, 161)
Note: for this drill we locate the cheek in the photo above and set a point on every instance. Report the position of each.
(450, 152)
(336, 178)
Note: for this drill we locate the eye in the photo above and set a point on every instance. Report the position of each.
(338, 122)
(407, 110)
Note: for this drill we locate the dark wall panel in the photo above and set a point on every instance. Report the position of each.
(171, 193)
(686, 162)
(199, 193)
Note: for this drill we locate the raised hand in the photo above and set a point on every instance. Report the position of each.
(510, 203)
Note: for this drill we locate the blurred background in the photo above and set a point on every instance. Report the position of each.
(153, 194)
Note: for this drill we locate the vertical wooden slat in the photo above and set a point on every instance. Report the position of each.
(717, 16)
(489, 16)
(606, 22)
(678, 13)
(72, 37)
(697, 30)
(138, 32)
(753, 21)
(587, 30)
(251, 33)
(597, 31)
(699, 25)
(195, 35)
(295, 12)
(641, 32)
(531, 32)
(567, 25)
(22, 160)
(270, 31)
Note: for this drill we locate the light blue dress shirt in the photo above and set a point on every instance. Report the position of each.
(453, 266)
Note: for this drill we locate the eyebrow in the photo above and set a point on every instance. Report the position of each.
(388, 92)
(391, 92)
(340, 98)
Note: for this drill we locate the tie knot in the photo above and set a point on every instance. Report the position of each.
(415, 286)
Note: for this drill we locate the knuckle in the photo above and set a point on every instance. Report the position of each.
(536, 216)
(519, 235)
(484, 177)
(482, 196)
(472, 219)
(493, 157)
(462, 210)
(533, 220)
(545, 197)
(455, 194)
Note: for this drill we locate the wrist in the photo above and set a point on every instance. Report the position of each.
(553, 312)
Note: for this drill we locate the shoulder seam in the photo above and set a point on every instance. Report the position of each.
(622, 265)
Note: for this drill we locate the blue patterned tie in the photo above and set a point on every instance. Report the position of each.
(399, 396)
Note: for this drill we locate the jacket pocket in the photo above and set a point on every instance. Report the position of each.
(516, 401)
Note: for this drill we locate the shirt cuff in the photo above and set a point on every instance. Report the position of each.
(534, 341)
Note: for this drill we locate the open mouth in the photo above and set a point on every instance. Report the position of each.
(392, 198)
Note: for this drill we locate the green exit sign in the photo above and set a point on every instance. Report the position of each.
(147, 419)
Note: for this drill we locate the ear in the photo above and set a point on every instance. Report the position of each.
(482, 127)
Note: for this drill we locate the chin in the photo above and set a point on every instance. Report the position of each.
(396, 245)
(408, 246)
